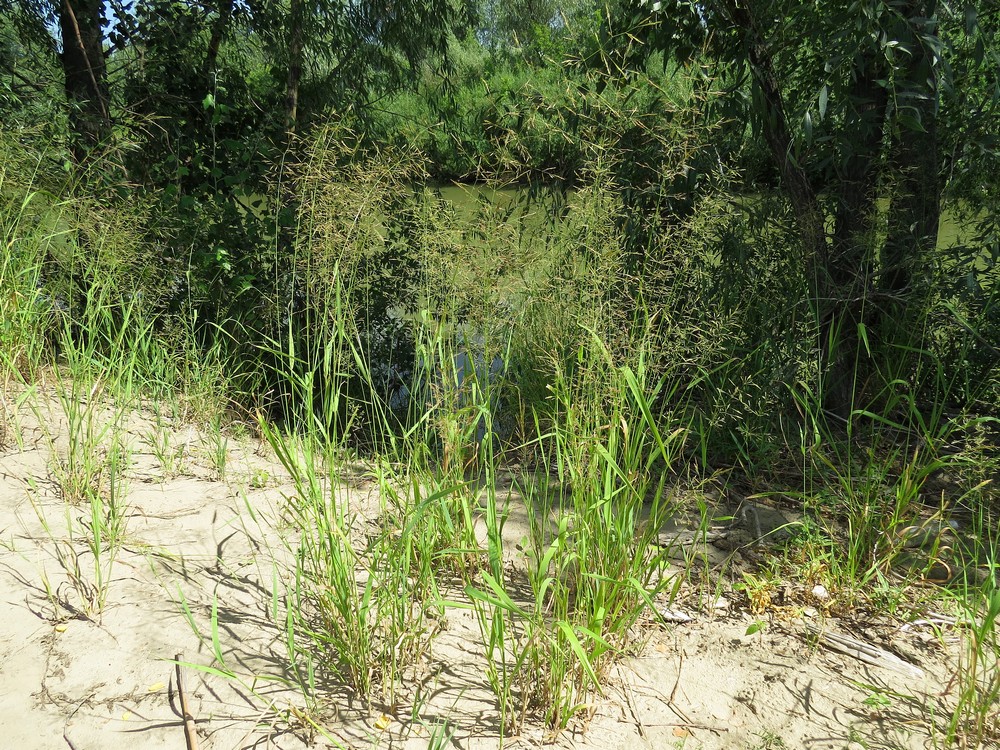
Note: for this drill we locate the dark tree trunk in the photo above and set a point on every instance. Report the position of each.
(86, 75)
(295, 45)
(835, 269)
(914, 215)
(844, 266)
(850, 263)
(776, 133)
(915, 210)
(87, 95)
(215, 41)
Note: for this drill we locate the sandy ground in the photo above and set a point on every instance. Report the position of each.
(108, 682)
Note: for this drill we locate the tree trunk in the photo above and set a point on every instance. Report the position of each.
(776, 134)
(295, 44)
(843, 265)
(834, 270)
(87, 95)
(215, 41)
(850, 263)
(915, 210)
(86, 75)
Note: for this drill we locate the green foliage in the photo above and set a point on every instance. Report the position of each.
(650, 308)
(29, 85)
(855, 103)
(491, 117)
(26, 317)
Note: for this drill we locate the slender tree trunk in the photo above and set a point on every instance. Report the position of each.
(85, 74)
(215, 41)
(914, 215)
(915, 210)
(851, 259)
(291, 283)
(87, 96)
(295, 45)
(776, 133)
(836, 269)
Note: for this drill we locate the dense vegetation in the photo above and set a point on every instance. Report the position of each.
(756, 241)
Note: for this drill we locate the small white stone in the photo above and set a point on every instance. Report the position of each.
(721, 603)
(810, 612)
(673, 615)
(820, 592)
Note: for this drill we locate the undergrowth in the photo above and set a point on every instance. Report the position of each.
(602, 359)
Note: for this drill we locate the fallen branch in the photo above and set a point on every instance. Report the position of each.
(865, 652)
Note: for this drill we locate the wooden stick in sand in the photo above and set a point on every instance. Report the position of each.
(189, 729)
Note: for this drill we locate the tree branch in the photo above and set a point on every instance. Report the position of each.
(776, 131)
(23, 79)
